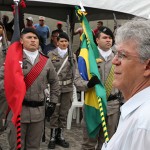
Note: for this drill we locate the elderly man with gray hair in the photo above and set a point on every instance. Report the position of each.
(132, 77)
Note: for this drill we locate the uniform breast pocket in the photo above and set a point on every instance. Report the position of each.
(66, 72)
(57, 64)
(55, 61)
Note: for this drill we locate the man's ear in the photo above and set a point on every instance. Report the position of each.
(97, 40)
(21, 41)
(147, 68)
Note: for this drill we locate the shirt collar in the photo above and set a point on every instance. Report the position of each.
(31, 55)
(61, 52)
(134, 102)
(105, 54)
(35, 53)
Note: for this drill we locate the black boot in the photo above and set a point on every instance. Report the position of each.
(60, 139)
(52, 141)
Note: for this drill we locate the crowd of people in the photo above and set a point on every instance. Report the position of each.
(125, 59)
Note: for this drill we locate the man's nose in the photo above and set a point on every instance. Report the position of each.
(116, 60)
(108, 39)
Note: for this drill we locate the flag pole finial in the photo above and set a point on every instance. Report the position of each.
(81, 6)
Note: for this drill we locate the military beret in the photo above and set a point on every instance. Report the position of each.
(28, 30)
(63, 35)
(107, 31)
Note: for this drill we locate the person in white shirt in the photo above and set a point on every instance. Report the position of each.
(132, 78)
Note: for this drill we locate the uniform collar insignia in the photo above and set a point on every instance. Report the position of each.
(54, 58)
(98, 60)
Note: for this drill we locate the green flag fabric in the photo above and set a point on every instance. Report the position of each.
(95, 98)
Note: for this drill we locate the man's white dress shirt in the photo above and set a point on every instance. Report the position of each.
(133, 132)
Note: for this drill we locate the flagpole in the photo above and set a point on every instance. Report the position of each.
(70, 53)
(115, 20)
(16, 34)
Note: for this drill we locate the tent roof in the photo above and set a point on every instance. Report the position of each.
(100, 9)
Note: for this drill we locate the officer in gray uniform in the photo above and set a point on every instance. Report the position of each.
(33, 109)
(59, 117)
(3, 43)
(3, 104)
(104, 39)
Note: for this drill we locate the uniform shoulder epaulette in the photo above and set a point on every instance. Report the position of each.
(43, 54)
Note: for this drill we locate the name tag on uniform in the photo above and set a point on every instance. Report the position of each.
(57, 60)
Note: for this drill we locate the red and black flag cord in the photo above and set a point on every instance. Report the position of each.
(18, 133)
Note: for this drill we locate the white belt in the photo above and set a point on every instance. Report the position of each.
(65, 82)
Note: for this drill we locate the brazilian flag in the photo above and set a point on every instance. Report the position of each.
(88, 67)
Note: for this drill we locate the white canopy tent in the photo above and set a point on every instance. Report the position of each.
(134, 7)
(100, 9)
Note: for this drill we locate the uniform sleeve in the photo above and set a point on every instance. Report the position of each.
(3, 103)
(79, 82)
(2, 79)
(54, 84)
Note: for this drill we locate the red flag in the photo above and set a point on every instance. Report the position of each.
(14, 84)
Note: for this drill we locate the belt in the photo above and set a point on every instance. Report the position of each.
(112, 97)
(33, 103)
(65, 82)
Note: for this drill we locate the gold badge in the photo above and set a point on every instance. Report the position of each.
(98, 60)
(54, 58)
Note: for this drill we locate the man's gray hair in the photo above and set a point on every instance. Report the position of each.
(138, 31)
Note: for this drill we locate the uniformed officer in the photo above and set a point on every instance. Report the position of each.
(104, 39)
(3, 43)
(3, 104)
(33, 109)
(59, 117)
